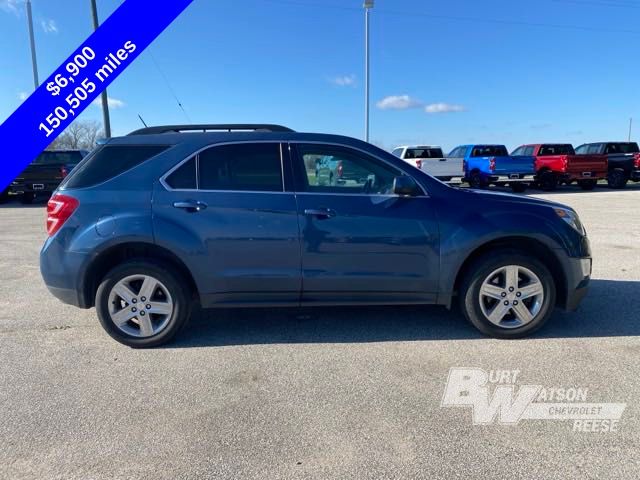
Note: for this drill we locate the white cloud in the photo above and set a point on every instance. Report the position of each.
(113, 102)
(344, 80)
(443, 108)
(398, 102)
(22, 96)
(10, 6)
(49, 26)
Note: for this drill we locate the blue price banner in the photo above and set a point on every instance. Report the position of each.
(80, 79)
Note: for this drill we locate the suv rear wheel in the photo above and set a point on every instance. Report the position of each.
(508, 295)
(141, 304)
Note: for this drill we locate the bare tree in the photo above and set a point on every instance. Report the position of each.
(81, 134)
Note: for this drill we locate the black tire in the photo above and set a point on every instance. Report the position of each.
(481, 269)
(518, 187)
(617, 178)
(476, 181)
(587, 184)
(27, 198)
(548, 181)
(169, 277)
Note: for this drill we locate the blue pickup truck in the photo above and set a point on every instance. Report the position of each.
(486, 165)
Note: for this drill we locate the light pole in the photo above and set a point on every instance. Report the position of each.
(105, 98)
(32, 41)
(368, 5)
(630, 125)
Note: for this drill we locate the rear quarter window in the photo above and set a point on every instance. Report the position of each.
(110, 161)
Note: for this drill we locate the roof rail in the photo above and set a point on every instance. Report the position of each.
(255, 127)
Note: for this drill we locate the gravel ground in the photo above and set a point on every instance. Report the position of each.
(333, 393)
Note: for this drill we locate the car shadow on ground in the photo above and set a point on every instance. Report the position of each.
(605, 312)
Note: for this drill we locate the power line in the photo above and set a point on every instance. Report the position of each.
(166, 81)
(455, 18)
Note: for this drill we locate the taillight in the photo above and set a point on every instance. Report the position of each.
(492, 164)
(64, 171)
(419, 163)
(340, 169)
(59, 209)
(565, 162)
(637, 160)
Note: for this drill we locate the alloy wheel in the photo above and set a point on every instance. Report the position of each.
(140, 305)
(511, 296)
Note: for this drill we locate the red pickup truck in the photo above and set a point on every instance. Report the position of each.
(557, 163)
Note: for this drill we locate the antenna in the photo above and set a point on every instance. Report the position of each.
(142, 120)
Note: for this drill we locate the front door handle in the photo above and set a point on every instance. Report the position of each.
(191, 205)
(320, 213)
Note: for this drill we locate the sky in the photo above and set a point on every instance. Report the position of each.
(444, 73)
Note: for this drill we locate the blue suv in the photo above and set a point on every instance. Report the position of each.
(154, 222)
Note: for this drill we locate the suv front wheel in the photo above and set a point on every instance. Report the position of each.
(142, 304)
(508, 295)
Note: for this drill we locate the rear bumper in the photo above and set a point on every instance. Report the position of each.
(512, 178)
(33, 186)
(61, 271)
(574, 176)
(635, 175)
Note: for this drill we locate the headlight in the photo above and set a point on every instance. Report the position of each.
(571, 218)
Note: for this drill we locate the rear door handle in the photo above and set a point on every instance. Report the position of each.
(190, 205)
(321, 213)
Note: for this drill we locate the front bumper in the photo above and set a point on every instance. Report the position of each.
(578, 276)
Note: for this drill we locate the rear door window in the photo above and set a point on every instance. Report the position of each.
(110, 161)
(241, 167)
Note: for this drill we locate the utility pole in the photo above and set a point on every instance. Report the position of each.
(368, 5)
(630, 125)
(34, 63)
(105, 98)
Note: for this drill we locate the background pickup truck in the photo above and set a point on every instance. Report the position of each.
(430, 159)
(45, 173)
(558, 163)
(623, 160)
(491, 164)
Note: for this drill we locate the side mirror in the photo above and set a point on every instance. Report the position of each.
(405, 185)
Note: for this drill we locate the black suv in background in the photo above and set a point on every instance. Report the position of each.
(45, 174)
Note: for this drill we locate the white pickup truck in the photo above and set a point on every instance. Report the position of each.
(430, 159)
